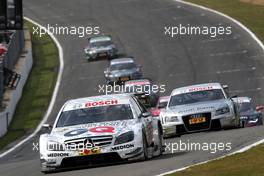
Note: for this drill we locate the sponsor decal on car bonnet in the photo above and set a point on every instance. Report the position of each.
(102, 129)
(75, 132)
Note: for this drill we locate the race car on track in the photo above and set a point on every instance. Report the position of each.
(249, 116)
(143, 90)
(106, 128)
(99, 47)
(162, 103)
(121, 70)
(198, 108)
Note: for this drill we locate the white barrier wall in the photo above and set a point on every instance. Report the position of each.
(13, 96)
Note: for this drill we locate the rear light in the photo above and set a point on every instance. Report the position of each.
(155, 112)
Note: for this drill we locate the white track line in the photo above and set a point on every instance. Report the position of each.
(54, 95)
(262, 46)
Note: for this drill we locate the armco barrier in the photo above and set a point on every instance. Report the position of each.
(12, 96)
(14, 48)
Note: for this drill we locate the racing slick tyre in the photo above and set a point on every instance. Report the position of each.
(261, 121)
(146, 154)
(160, 142)
(46, 170)
(242, 124)
(110, 83)
(216, 125)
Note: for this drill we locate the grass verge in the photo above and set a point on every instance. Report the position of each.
(38, 89)
(250, 15)
(250, 162)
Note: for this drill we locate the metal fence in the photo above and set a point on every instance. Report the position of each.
(7, 64)
(14, 48)
(9, 59)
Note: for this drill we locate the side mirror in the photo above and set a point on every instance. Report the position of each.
(145, 114)
(47, 126)
(234, 96)
(225, 87)
(139, 67)
(106, 72)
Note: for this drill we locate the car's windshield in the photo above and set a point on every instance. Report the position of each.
(194, 97)
(246, 106)
(95, 115)
(122, 66)
(162, 104)
(100, 44)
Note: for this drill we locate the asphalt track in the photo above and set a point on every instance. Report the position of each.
(138, 28)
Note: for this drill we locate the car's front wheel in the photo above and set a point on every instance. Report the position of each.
(145, 148)
(242, 123)
(261, 121)
(47, 170)
(160, 142)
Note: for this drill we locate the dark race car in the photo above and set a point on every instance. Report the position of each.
(249, 115)
(100, 47)
(143, 90)
(121, 70)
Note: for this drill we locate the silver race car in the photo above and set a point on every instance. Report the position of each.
(106, 128)
(121, 70)
(197, 108)
(100, 46)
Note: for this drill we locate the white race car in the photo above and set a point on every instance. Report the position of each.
(198, 108)
(106, 128)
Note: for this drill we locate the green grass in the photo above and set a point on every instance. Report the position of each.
(251, 162)
(243, 164)
(248, 14)
(37, 91)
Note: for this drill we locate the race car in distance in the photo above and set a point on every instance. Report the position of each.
(162, 103)
(198, 108)
(107, 128)
(100, 46)
(249, 116)
(143, 90)
(121, 70)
